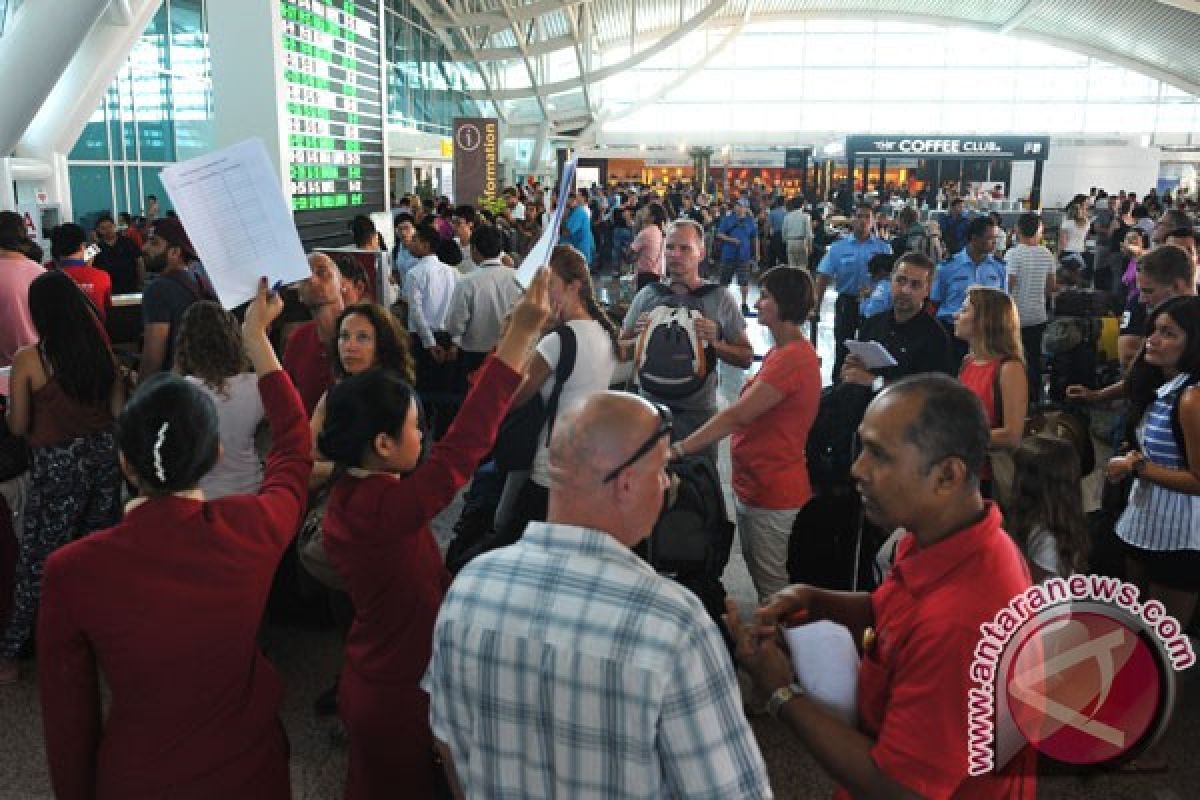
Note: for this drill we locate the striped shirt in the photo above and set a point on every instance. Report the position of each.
(1028, 268)
(1158, 518)
(565, 667)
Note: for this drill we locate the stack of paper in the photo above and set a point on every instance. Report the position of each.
(826, 664)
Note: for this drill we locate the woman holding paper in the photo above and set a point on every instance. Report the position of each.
(770, 423)
(377, 538)
(166, 606)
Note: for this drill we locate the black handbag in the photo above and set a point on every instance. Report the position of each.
(517, 440)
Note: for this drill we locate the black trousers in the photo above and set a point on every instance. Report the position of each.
(846, 319)
(1031, 340)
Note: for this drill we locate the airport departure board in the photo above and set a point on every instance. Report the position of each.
(334, 120)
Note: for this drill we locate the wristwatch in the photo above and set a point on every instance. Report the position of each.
(782, 696)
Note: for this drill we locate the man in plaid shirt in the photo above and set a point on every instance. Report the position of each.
(565, 666)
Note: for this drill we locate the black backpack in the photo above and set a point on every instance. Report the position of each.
(669, 360)
(693, 534)
(516, 441)
(832, 441)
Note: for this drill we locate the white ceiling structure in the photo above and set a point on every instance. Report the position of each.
(560, 42)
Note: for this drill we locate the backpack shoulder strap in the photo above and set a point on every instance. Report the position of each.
(562, 372)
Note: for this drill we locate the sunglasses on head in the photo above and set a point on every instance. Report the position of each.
(664, 428)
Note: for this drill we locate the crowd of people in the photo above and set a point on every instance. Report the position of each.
(546, 654)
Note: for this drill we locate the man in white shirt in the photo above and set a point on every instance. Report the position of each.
(481, 302)
(797, 233)
(429, 289)
(1031, 284)
(464, 220)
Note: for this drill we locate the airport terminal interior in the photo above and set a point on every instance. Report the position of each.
(1004, 193)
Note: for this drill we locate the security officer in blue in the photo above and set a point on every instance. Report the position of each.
(845, 266)
(974, 265)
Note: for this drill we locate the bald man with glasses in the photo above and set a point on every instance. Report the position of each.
(565, 666)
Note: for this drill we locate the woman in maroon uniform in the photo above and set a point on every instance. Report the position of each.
(167, 606)
(378, 539)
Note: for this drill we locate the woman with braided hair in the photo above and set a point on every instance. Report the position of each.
(167, 605)
(572, 305)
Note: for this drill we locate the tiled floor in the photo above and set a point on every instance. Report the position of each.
(308, 659)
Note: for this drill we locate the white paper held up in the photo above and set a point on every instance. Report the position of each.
(826, 664)
(539, 254)
(232, 206)
(873, 354)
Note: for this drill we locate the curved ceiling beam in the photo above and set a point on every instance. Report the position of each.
(678, 32)
(589, 133)
(1073, 45)
(443, 34)
(494, 21)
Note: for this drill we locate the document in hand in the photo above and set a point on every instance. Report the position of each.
(826, 664)
(231, 204)
(539, 254)
(873, 354)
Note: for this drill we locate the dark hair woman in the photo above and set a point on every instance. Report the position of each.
(167, 606)
(377, 537)
(1161, 524)
(769, 424)
(65, 391)
(211, 355)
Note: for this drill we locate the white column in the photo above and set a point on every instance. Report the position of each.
(81, 87)
(249, 95)
(37, 49)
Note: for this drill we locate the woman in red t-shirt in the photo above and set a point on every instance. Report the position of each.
(770, 423)
(994, 367)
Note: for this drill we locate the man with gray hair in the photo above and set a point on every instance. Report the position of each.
(565, 666)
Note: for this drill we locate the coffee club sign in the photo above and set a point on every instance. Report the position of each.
(1021, 148)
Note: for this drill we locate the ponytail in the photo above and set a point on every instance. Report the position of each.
(597, 313)
(569, 265)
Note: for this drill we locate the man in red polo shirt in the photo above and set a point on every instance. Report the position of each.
(924, 440)
(304, 356)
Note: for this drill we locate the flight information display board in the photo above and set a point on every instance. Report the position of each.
(334, 119)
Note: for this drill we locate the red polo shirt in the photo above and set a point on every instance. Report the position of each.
(913, 683)
(307, 363)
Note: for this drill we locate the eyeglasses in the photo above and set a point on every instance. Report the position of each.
(664, 428)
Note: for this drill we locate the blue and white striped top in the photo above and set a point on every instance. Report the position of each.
(1158, 518)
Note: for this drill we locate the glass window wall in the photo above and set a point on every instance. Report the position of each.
(856, 76)
(156, 111)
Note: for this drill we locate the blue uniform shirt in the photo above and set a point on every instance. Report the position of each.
(846, 261)
(579, 232)
(959, 273)
(776, 215)
(744, 229)
(880, 298)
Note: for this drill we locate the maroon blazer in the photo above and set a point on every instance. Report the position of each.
(167, 605)
(378, 539)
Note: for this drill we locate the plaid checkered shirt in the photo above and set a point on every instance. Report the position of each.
(565, 667)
